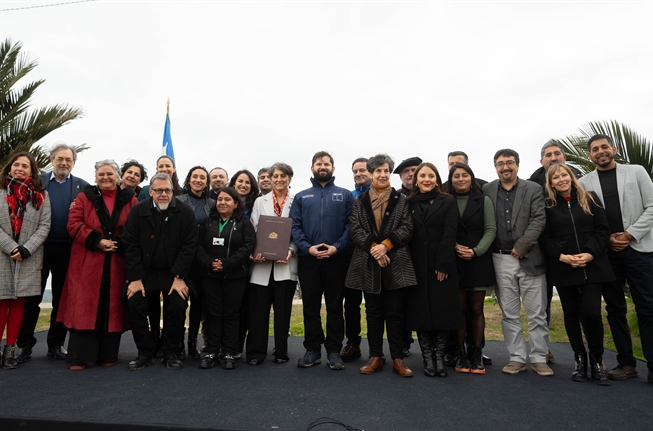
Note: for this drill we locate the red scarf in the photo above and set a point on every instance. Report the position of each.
(19, 193)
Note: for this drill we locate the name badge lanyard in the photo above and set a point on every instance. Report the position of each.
(221, 225)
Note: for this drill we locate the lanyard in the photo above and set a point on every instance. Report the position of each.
(221, 225)
(278, 209)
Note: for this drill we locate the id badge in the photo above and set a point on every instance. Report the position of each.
(218, 241)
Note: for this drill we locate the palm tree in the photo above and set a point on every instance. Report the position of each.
(20, 128)
(632, 148)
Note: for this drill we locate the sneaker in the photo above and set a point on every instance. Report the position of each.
(229, 362)
(486, 360)
(208, 361)
(350, 352)
(542, 369)
(309, 358)
(514, 367)
(335, 361)
(623, 372)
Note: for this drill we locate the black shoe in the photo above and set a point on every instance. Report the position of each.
(486, 360)
(209, 361)
(58, 352)
(171, 361)
(158, 350)
(229, 362)
(24, 354)
(580, 369)
(475, 362)
(450, 359)
(139, 363)
(9, 361)
(255, 362)
(599, 375)
(238, 355)
(181, 351)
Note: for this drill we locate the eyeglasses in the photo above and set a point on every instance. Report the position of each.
(510, 163)
(162, 191)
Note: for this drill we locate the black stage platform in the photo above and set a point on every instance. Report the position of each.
(43, 392)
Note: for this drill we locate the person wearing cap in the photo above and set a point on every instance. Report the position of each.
(406, 169)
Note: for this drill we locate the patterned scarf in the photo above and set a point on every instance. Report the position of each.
(379, 198)
(19, 193)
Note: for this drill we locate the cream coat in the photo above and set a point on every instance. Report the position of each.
(20, 279)
(264, 205)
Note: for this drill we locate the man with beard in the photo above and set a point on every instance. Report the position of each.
(264, 182)
(519, 263)
(626, 192)
(160, 240)
(218, 178)
(62, 188)
(406, 169)
(321, 232)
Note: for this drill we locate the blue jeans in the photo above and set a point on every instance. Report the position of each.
(637, 268)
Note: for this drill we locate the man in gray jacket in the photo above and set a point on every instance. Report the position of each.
(519, 263)
(626, 192)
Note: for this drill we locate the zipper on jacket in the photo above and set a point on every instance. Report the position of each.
(322, 215)
(573, 224)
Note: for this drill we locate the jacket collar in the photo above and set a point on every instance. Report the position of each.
(317, 184)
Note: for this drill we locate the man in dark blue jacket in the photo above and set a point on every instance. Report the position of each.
(321, 232)
(62, 188)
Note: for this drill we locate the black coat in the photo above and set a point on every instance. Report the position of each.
(239, 238)
(570, 231)
(179, 232)
(433, 304)
(364, 272)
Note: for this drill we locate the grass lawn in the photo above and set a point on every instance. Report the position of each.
(493, 331)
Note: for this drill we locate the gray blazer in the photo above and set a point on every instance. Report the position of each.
(528, 221)
(20, 279)
(635, 199)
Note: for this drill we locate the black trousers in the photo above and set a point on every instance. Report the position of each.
(279, 295)
(56, 256)
(196, 312)
(222, 301)
(584, 302)
(353, 301)
(86, 347)
(385, 311)
(323, 277)
(157, 282)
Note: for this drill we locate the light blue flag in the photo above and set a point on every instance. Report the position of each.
(167, 140)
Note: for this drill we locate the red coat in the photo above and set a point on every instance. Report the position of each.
(88, 223)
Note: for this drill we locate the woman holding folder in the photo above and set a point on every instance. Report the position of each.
(272, 282)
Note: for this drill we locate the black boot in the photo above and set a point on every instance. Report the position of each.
(440, 345)
(599, 375)
(476, 360)
(9, 360)
(193, 353)
(426, 344)
(580, 370)
(462, 363)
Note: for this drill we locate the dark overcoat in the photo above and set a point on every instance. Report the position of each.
(364, 272)
(88, 223)
(569, 230)
(432, 304)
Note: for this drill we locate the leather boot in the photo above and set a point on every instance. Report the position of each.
(400, 367)
(9, 360)
(580, 369)
(599, 375)
(374, 364)
(426, 345)
(462, 363)
(440, 345)
(193, 353)
(476, 360)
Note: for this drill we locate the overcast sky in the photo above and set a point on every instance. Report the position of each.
(253, 83)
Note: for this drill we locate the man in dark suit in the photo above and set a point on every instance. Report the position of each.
(160, 240)
(519, 263)
(62, 189)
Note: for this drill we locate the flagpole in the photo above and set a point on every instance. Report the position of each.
(168, 108)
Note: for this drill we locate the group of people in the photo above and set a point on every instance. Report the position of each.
(423, 257)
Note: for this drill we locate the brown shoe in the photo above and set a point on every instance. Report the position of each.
(374, 364)
(399, 367)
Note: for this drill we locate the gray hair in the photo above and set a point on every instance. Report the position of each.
(379, 160)
(62, 146)
(160, 176)
(551, 143)
(283, 167)
(108, 162)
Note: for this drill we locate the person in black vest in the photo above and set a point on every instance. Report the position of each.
(476, 231)
(62, 189)
(160, 241)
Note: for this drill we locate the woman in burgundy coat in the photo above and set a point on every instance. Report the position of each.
(92, 304)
